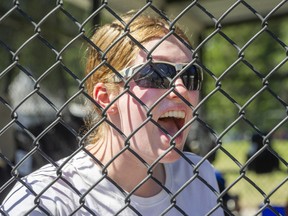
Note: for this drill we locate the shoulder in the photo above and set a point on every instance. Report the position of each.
(23, 196)
(191, 164)
(43, 188)
(195, 161)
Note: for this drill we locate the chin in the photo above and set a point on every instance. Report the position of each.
(171, 157)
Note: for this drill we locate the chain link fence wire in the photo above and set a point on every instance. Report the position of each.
(42, 89)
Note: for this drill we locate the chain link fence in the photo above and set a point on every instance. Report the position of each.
(244, 92)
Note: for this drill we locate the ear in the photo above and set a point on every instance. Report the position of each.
(103, 98)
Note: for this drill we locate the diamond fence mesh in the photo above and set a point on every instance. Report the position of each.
(243, 101)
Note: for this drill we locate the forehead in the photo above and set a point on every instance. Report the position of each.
(171, 50)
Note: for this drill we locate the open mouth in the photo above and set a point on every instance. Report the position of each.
(172, 121)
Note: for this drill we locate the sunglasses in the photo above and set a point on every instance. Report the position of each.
(161, 74)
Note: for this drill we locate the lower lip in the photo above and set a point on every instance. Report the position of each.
(167, 138)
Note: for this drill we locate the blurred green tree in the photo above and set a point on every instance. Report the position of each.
(245, 58)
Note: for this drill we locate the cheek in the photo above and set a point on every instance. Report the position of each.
(131, 111)
(147, 95)
(194, 98)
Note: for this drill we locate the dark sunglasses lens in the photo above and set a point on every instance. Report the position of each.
(160, 75)
(192, 78)
(157, 75)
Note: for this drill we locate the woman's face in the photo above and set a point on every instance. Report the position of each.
(149, 141)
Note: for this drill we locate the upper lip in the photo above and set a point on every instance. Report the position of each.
(178, 115)
(174, 114)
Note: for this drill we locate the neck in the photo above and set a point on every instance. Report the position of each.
(151, 187)
(132, 174)
(126, 169)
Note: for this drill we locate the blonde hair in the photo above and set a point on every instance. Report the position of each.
(115, 48)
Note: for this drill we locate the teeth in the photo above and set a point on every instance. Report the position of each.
(173, 114)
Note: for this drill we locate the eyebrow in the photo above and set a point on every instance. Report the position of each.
(167, 59)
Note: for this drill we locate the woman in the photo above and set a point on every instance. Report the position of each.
(143, 86)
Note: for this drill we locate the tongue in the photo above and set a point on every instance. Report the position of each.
(169, 125)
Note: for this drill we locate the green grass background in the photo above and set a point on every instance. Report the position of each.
(249, 196)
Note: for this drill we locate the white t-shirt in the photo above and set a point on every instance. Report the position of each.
(51, 192)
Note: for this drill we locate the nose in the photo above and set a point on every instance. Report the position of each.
(180, 89)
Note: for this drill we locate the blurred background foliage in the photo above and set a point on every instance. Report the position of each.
(247, 68)
(47, 46)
